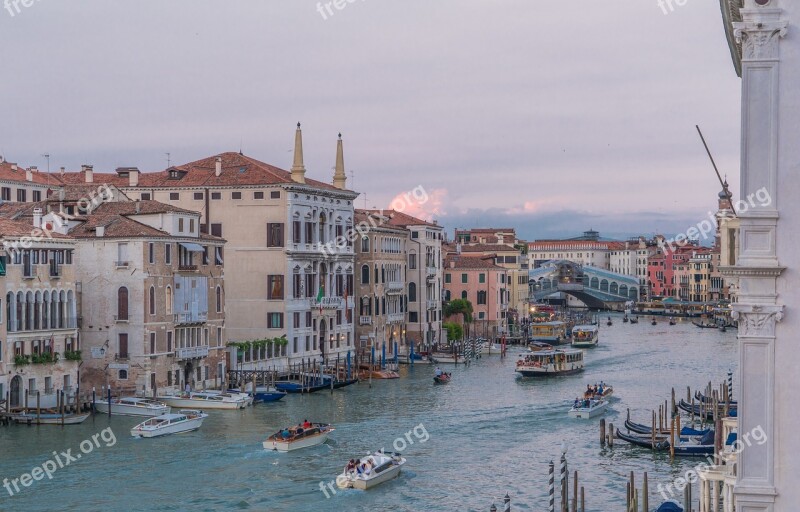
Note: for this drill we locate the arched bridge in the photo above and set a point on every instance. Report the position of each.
(593, 286)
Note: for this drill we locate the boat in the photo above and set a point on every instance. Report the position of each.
(265, 394)
(654, 321)
(185, 421)
(415, 358)
(587, 408)
(585, 336)
(640, 428)
(705, 325)
(446, 357)
(247, 397)
(442, 379)
(707, 409)
(383, 467)
(215, 400)
(670, 506)
(132, 406)
(606, 392)
(49, 418)
(635, 320)
(625, 319)
(553, 332)
(548, 363)
(700, 397)
(290, 386)
(672, 320)
(609, 322)
(314, 435)
(685, 446)
(342, 383)
(538, 346)
(377, 373)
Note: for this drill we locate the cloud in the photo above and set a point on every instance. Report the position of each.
(424, 204)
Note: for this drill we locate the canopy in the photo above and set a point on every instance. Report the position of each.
(192, 247)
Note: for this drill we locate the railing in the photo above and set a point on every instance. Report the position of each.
(394, 287)
(191, 352)
(69, 322)
(431, 304)
(55, 270)
(189, 318)
(187, 268)
(395, 318)
(365, 320)
(328, 303)
(431, 271)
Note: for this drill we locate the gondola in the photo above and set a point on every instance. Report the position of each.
(635, 320)
(698, 409)
(706, 326)
(700, 397)
(640, 428)
(609, 322)
(653, 321)
(687, 446)
(625, 319)
(672, 321)
(442, 379)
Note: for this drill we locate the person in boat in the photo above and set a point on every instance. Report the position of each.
(600, 389)
(286, 433)
(576, 403)
(306, 424)
(299, 429)
(351, 466)
(589, 391)
(438, 372)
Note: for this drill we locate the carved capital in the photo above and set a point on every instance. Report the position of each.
(759, 39)
(758, 320)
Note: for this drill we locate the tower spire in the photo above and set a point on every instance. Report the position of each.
(339, 177)
(298, 168)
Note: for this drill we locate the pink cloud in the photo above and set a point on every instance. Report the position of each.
(423, 204)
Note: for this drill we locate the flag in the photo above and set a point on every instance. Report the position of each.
(320, 295)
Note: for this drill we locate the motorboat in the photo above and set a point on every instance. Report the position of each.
(446, 357)
(247, 397)
(585, 336)
(295, 438)
(442, 379)
(604, 391)
(132, 406)
(264, 394)
(378, 468)
(654, 321)
(587, 408)
(553, 332)
(548, 363)
(49, 418)
(185, 421)
(206, 400)
(538, 346)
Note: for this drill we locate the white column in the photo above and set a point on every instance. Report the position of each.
(757, 268)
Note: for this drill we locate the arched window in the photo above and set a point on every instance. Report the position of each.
(464, 294)
(152, 300)
(412, 292)
(169, 300)
(481, 297)
(219, 299)
(364, 274)
(364, 244)
(122, 303)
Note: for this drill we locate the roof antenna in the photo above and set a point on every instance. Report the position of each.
(47, 156)
(240, 146)
(719, 177)
(169, 162)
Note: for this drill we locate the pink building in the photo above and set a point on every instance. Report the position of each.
(485, 285)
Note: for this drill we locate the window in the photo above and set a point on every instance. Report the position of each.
(169, 341)
(152, 343)
(413, 317)
(412, 261)
(174, 196)
(6, 194)
(219, 299)
(146, 196)
(464, 278)
(275, 234)
(364, 244)
(464, 294)
(151, 252)
(218, 256)
(275, 291)
(236, 195)
(152, 300)
(21, 195)
(294, 346)
(122, 303)
(258, 195)
(447, 278)
(481, 297)
(365, 274)
(122, 254)
(412, 292)
(308, 343)
(216, 230)
(297, 232)
(296, 320)
(275, 320)
(180, 225)
(308, 318)
(205, 255)
(169, 377)
(219, 336)
(37, 196)
(168, 296)
(122, 347)
(216, 196)
(481, 278)
(122, 375)
(275, 194)
(198, 196)
(191, 225)
(168, 253)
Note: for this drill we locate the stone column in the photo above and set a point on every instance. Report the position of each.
(757, 269)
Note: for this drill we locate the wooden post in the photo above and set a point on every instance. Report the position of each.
(38, 406)
(674, 409)
(62, 407)
(672, 439)
(583, 502)
(575, 493)
(688, 394)
(602, 432)
(109, 400)
(653, 432)
(645, 494)
(611, 435)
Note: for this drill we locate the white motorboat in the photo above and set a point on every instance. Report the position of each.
(588, 408)
(205, 400)
(50, 418)
(186, 421)
(132, 406)
(585, 336)
(288, 440)
(373, 470)
(248, 398)
(446, 357)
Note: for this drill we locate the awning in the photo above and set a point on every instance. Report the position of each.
(192, 247)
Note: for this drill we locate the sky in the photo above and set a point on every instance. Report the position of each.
(551, 117)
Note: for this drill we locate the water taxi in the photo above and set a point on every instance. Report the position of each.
(49, 418)
(555, 331)
(371, 471)
(547, 363)
(587, 408)
(206, 400)
(132, 406)
(307, 435)
(186, 421)
(585, 336)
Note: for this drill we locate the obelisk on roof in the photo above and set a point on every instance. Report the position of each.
(339, 177)
(298, 169)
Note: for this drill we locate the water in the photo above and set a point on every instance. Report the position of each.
(489, 433)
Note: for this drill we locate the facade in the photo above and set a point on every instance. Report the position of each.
(662, 266)
(381, 292)
(40, 346)
(503, 236)
(289, 265)
(485, 285)
(587, 249)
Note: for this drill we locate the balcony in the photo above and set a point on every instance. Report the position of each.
(430, 271)
(29, 272)
(394, 287)
(328, 303)
(55, 270)
(432, 304)
(190, 318)
(395, 318)
(365, 320)
(187, 268)
(191, 352)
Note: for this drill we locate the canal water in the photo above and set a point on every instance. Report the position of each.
(468, 443)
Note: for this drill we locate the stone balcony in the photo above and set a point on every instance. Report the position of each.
(191, 352)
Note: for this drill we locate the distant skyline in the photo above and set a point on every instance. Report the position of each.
(551, 117)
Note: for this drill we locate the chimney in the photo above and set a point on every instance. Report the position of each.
(339, 177)
(88, 173)
(133, 177)
(29, 174)
(100, 231)
(62, 171)
(37, 217)
(138, 206)
(458, 248)
(298, 168)
(218, 167)
(14, 167)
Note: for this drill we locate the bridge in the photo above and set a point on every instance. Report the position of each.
(595, 287)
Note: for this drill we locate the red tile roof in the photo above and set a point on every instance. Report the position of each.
(401, 219)
(18, 228)
(469, 263)
(38, 177)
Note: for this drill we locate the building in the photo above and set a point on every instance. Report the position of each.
(381, 292)
(630, 258)
(506, 236)
(40, 347)
(485, 285)
(661, 268)
(587, 249)
(20, 185)
(289, 264)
